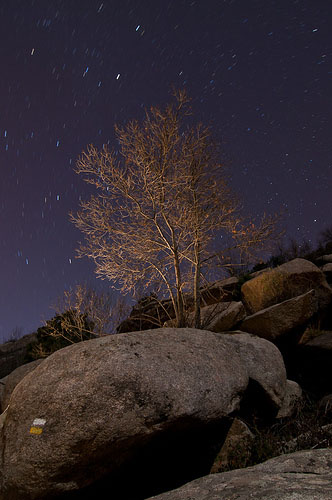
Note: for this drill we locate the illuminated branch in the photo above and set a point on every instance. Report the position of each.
(161, 202)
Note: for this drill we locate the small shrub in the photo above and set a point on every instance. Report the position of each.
(304, 430)
(61, 331)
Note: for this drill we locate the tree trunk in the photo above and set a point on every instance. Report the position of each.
(180, 319)
(197, 293)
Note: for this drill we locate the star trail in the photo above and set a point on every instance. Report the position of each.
(258, 71)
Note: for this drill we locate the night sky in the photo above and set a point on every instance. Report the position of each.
(258, 71)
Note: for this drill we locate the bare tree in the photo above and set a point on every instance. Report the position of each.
(162, 204)
(87, 306)
(82, 313)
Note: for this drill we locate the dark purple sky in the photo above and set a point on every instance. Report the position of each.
(259, 71)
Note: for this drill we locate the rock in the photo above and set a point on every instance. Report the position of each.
(13, 353)
(265, 367)
(148, 313)
(324, 258)
(315, 362)
(327, 270)
(153, 313)
(236, 449)
(277, 320)
(104, 399)
(8, 384)
(219, 290)
(220, 317)
(213, 293)
(261, 271)
(292, 400)
(316, 437)
(105, 408)
(322, 342)
(289, 280)
(305, 475)
(309, 334)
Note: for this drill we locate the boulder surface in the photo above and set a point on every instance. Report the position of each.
(92, 408)
(236, 449)
(305, 475)
(292, 401)
(265, 367)
(289, 280)
(322, 342)
(220, 317)
(219, 290)
(276, 321)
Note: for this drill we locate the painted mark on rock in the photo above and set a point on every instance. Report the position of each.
(36, 430)
(37, 426)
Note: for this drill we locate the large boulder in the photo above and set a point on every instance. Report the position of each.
(14, 352)
(289, 280)
(305, 475)
(8, 384)
(105, 408)
(277, 320)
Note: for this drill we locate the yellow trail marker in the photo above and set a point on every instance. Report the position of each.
(36, 430)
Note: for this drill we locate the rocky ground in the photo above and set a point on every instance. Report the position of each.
(184, 413)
